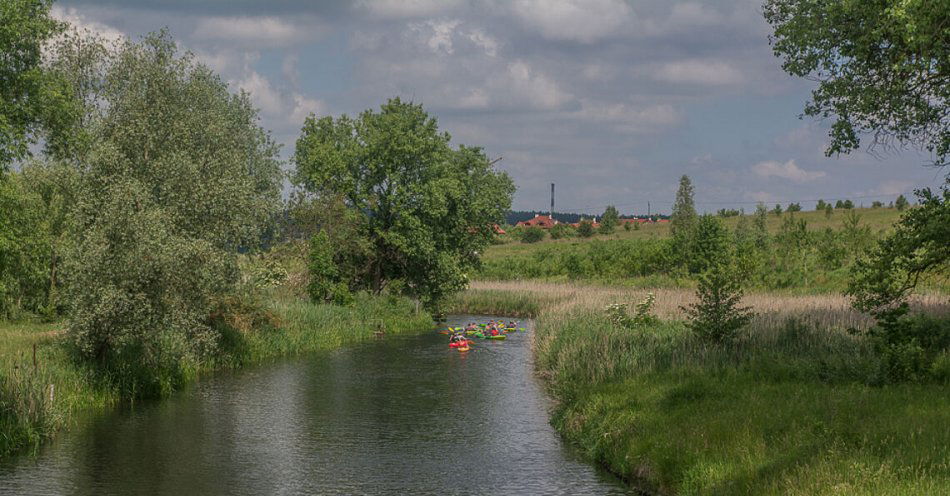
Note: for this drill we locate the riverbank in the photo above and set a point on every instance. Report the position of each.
(793, 407)
(42, 396)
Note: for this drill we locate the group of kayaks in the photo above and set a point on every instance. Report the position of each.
(459, 336)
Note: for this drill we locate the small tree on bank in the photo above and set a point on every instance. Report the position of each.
(585, 228)
(717, 315)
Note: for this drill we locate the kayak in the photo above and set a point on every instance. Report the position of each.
(459, 344)
(463, 348)
(500, 336)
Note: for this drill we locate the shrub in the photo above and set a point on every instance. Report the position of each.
(532, 235)
(717, 315)
(585, 229)
(560, 231)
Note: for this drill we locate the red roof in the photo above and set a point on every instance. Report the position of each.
(542, 221)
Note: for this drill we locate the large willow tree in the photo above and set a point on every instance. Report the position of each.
(420, 210)
(175, 176)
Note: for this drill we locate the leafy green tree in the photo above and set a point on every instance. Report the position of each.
(777, 210)
(877, 204)
(794, 207)
(881, 68)
(847, 205)
(27, 93)
(709, 244)
(610, 220)
(828, 211)
(178, 178)
(426, 209)
(919, 245)
(839, 204)
(585, 228)
(717, 315)
(684, 215)
(900, 203)
(820, 205)
(24, 249)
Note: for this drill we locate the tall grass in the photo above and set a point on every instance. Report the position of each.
(785, 409)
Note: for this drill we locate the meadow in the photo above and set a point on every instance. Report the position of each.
(797, 404)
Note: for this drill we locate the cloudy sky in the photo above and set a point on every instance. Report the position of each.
(612, 100)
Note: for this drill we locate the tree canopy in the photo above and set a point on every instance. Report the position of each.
(26, 90)
(423, 210)
(882, 67)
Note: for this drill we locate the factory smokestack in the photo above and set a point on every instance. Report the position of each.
(552, 201)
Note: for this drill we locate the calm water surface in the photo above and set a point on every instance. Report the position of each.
(398, 416)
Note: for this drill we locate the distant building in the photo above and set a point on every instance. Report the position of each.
(542, 221)
(634, 221)
(498, 229)
(594, 222)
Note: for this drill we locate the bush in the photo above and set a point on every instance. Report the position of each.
(585, 229)
(717, 315)
(911, 348)
(561, 231)
(532, 235)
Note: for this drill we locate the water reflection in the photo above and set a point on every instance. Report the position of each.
(398, 416)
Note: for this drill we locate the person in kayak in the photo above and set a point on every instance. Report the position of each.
(512, 325)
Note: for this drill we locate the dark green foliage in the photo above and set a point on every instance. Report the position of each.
(877, 204)
(709, 244)
(24, 249)
(900, 203)
(725, 213)
(828, 211)
(793, 207)
(717, 315)
(777, 210)
(609, 221)
(820, 205)
(683, 219)
(909, 346)
(881, 68)
(532, 234)
(28, 94)
(919, 245)
(562, 230)
(425, 210)
(585, 229)
(326, 285)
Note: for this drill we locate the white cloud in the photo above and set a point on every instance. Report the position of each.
(701, 72)
(263, 94)
(528, 84)
(303, 107)
(398, 9)
(630, 118)
(257, 31)
(437, 34)
(81, 23)
(788, 170)
(584, 21)
(487, 43)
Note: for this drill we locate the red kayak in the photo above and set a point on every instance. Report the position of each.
(458, 344)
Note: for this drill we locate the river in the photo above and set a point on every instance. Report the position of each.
(402, 415)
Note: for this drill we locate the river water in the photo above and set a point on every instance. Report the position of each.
(402, 415)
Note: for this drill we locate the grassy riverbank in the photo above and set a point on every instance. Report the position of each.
(793, 407)
(37, 401)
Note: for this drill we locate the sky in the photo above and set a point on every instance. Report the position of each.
(612, 100)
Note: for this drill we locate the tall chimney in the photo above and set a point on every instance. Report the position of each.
(552, 201)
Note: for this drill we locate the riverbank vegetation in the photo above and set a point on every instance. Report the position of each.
(797, 403)
(140, 247)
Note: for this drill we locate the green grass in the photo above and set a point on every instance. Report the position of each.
(787, 409)
(252, 334)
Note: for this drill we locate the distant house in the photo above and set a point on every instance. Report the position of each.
(594, 222)
(498, 229)
(542, 221)
(634, 221)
